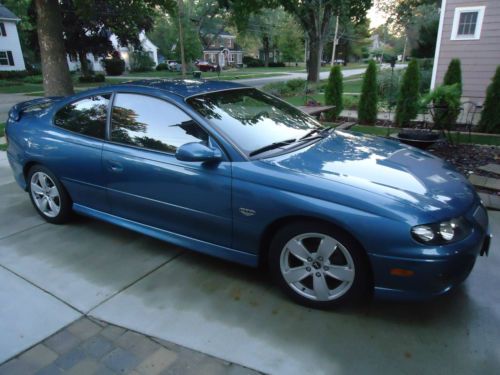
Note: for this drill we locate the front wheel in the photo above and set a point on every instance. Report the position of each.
(48, 195)
(318, 265)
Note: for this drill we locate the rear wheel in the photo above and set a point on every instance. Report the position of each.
(318, 265)
(48, 195)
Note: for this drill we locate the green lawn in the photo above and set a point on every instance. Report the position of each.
(461, 137)
(2, 133)
(353, 86)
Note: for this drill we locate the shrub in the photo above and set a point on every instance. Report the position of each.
(367, 109)
(140, 61)
(490, 117)
(36, 79)
(408, 98)
(276, 64)
(114, 66)
(162, 66)
(350, 102)
(252, 62)
(92, 78)
(446, 102)
(425, 80)
(296, 85)
(453, 75)
(388, 85)
(13, 74)
(279, 89)
(334, 89)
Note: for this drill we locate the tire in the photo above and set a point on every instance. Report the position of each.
(48, 195)
(319, 266)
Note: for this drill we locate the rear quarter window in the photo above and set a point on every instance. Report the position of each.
(86, 116)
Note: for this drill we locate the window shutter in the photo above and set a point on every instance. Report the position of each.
(11, 59)
(2, 29)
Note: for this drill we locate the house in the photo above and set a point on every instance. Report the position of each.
(95, 61)
(11, 55)
(274, 55)
(470, 31)
(224, 51)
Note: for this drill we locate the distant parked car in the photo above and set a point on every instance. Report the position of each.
(206, 66)
(233, 172)
(174, 66)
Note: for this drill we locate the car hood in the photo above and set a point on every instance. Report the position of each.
(386, 168)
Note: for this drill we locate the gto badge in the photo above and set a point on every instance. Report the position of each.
(247, 211)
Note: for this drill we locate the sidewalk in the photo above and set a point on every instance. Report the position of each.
(90, 346)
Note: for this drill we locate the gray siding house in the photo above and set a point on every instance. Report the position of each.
(469, 30)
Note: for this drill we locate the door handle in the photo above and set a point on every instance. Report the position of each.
(114, 166)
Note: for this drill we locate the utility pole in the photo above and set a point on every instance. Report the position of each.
(404, 48)
(180, 6)
(335, 41)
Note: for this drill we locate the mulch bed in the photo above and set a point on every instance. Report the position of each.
(468, 158)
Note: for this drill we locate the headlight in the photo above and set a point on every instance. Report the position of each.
(442, 233)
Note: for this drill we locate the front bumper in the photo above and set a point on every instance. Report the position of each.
(432, 276)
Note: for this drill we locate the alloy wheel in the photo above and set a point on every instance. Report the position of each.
(317, 266)
(45, 194)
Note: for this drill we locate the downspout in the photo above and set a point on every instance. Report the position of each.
(438, 44)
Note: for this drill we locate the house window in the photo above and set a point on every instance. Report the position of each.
(2, 29)
(467, 23)
(6, 58)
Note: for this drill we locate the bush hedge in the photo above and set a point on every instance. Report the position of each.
(92, 78)
(252, 62)
(453, 75)
(334, 89)
(490, 117)
(162, 66)
(140, 61)
(114, 66)
(408, 98)
(367, 109)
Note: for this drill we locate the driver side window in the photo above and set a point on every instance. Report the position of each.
(152, 123)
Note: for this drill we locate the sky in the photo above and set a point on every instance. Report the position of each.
(376, 17)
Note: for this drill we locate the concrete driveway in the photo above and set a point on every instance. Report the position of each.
(52, 275)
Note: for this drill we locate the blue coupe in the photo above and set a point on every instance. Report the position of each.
(230, 171)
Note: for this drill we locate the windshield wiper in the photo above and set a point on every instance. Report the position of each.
(321, 131)
(272, 146)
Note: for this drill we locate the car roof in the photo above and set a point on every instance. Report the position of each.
(185, 87)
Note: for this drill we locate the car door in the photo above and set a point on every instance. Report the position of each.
(147, 184)
(77, 149)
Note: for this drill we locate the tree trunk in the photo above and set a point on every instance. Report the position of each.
(84, 64)
(56, 77)
(265, 47)
(315, 53)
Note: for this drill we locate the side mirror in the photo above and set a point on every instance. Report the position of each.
(196, 151)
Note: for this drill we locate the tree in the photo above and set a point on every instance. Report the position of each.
(88, 24)
(55, 70)
(426, 42)
(290, 41)
(367, 109)
(453, 74)
(334, 89)
(314, 17)
(407, 106)
(490, 118)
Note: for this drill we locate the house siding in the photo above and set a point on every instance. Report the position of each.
(11, 43)
(479, 58)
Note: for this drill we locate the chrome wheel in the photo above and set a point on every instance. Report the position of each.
(45, 194)
(317, 266)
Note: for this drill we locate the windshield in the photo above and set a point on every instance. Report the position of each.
(253, 119)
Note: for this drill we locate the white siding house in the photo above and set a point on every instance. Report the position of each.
(11, 55)
(95, 61)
